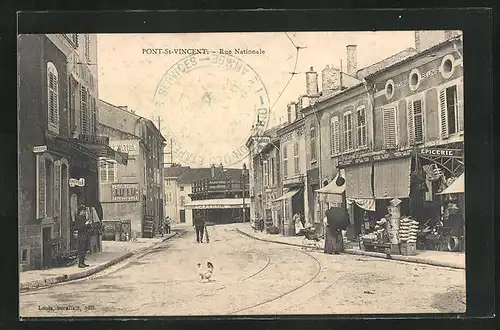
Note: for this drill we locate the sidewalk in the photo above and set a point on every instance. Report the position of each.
(112, 253)
(434, 258)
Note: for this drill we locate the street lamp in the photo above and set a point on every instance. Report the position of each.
(243, 173)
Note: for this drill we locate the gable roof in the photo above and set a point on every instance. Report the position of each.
(174, 171)
(387, 62)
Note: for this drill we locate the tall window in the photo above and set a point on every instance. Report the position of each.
(266, 173)
(107, 170)
(271, 172)
(285, 162)
(52, 98)
(313, 143)
(296, 161)
(415, 122)
(84, 110)
(49, 188)
(183, 200)
(389, 125)
(87, 48)
(72, 90)
(361, 127)
(448, 111)
(334, 135)
(348, 143)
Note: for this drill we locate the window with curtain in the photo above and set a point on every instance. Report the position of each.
(334, 135)
(348, 143)
(361, 127)
(52, 98)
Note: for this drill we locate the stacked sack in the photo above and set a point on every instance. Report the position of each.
(408, 230)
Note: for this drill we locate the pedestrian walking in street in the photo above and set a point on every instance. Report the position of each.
(83, 227)
(199, 224)
(162, 227)
(337, 220)
(168, 224)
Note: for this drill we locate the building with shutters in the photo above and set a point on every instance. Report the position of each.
(134, 191)
(417, 131)
(172, 191)
(58, 142)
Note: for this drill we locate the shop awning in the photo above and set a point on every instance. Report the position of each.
(101, 150)
(332, 188)
(288, 194)
(359, 181)
(392, 178)
(223, 203)
(456, 187)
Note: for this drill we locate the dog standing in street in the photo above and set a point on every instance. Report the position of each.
(205, 273)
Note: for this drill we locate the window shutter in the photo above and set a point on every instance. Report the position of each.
(336, 134)
(389, 124)
(57, 189)
(40, 183)
(443, 115)
(84, 110)
(411, 124)
(460, 103)
(418, 119)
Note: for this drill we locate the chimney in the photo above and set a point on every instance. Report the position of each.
(352, 60)
(213, 171)
(311, 82)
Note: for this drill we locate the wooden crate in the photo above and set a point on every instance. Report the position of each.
(408, 249)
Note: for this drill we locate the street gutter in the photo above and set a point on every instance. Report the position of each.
(411, 259)
(49, 281)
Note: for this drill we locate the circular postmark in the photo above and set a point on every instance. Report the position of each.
(208, 105)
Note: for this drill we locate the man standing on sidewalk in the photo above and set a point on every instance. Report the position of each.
(83, 226)
(199, 224)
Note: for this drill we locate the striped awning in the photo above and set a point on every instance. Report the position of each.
(223, 203)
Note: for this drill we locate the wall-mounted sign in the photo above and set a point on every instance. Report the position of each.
(39, 149)
(131, 147)
(360, 159)
(93, 139)
(125, 192)
(441, 152)
(76, 182)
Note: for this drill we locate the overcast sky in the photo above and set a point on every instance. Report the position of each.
(129, 77)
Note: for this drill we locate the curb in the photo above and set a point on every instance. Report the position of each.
(48, 281)
(371, 254)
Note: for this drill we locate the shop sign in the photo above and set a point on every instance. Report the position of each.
(441, 152)
(76, 182)
(39, 149)
(93, 139)
(125, 192)
(366, 159)
(130, 147)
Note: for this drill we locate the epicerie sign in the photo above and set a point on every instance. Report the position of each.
(130, 147)
(125, 192)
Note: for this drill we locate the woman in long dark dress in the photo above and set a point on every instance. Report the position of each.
(334, 242)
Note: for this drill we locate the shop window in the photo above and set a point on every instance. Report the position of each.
(53, 98)
(361, 127)
(313, 143)
(389, 89)
(389, 127)
(87, 47)
(296, 159)
(49, 188)
(414, 80)
(348, 143)
(334, 135)
(285, 162)
(415, 121)
(448, 111)
(107, 170)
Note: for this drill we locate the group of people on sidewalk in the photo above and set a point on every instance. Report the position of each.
(165, 226)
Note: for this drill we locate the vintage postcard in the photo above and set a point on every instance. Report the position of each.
(253, 173)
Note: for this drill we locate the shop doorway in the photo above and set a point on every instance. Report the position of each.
(182, 216)
(65, 214)
(46, 247)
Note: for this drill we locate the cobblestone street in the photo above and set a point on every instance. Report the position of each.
(251, 278)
